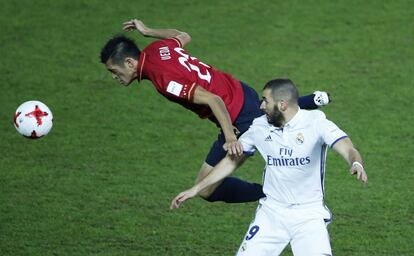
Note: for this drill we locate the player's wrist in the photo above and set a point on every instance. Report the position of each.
(231, 140)
(356, 163)
(146, 31)
(230, 137)
(197, 189)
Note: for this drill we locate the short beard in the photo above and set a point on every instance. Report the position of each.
(275, 118)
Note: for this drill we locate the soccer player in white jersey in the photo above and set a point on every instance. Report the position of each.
(293, 142)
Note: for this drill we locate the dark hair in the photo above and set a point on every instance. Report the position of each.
(118, 48)
(283, 89)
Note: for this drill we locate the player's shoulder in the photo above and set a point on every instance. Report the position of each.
(313, 115)
(169, 42)
(260, 121)
(309, 118)
(154, 45)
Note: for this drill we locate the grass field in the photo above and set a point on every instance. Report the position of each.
(101, 182)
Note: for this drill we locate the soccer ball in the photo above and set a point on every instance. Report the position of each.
(33, 119)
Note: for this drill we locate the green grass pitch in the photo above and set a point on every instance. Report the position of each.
(101, 182)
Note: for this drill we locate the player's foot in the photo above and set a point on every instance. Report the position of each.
(321, 98)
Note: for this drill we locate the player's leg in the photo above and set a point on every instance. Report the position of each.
(314, 100)
(311, 236)
(312, 240)
(266, 234)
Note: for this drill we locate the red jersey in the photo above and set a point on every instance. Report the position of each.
(175, 74)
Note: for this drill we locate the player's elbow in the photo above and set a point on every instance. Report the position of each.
(184, 38)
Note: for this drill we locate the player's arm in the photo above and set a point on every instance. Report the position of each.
(223, 169)
(347, 150)
(156, 33)
(217, 106)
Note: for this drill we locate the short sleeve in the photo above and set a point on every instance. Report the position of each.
(330, 132)
(247, 140)
(167, 72)
(181, 90)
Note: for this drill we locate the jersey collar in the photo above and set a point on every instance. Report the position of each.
(295, 120)
(292, 123)
(140, 66)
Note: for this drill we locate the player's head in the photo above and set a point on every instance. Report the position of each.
(279, 96)
(120, 55)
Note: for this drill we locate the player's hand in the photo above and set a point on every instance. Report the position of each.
(233, 147)
(358, 170)
(183, 196)
(135, 24)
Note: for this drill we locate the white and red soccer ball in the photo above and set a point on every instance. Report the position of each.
(33, 119)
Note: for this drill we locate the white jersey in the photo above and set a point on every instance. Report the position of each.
(295, 155)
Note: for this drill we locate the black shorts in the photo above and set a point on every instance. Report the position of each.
(249, 111)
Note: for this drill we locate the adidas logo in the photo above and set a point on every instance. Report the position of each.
(268, 138)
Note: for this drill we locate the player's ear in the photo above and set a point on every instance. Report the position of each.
(282, 105)
(130, 62)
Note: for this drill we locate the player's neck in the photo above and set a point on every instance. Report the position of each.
(135, 74)
(289, 114)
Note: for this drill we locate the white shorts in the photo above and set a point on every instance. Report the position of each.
(276, 225)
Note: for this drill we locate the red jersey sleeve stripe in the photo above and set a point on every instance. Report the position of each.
(178, 42)
(191, 92)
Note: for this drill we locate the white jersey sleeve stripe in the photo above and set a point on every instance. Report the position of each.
(324, 152)
(178, 42)
(249, 153)
(340, 138)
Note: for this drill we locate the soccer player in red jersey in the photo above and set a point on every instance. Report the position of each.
(199, 87)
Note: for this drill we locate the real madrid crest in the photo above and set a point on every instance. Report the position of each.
(243, 247)
(300, 139)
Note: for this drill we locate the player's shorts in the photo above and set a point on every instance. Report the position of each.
(249, 111)
(275, 225)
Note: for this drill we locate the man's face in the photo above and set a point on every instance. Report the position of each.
(271, 109)
(124, 73)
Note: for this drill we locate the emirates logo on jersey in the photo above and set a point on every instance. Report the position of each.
(300, 139)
